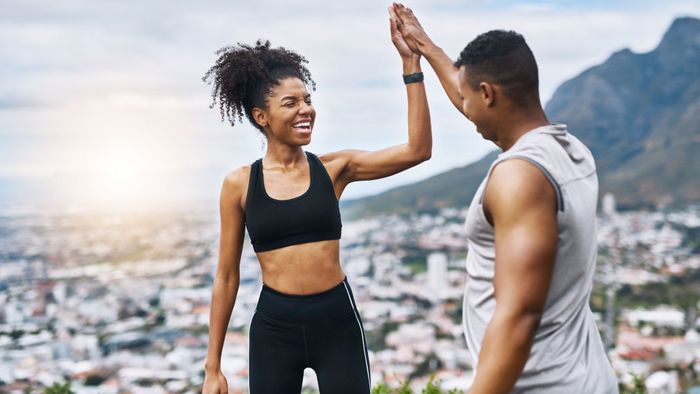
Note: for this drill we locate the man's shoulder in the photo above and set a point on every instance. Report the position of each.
(563, 156)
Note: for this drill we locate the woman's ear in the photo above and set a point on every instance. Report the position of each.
(259, 116)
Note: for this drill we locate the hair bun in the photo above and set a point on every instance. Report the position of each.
(243, 76)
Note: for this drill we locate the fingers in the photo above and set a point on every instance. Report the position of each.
(396, 9)
(392, 13)
(401, 9)
(395, 26)
(394, 17)
(395, 34)
(392, 25)
(405, 13)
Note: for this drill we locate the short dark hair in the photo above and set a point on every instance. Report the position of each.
(502, 58)
(244, 75)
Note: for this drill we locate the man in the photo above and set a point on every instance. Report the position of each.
(530, 226)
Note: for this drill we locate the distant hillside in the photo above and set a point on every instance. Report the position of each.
(439, 191)
(639, 114)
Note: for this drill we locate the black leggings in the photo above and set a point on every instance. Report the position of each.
(320, 331)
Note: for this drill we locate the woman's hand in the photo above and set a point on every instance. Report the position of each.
(410, 29)
(215, 383)
(399, 42)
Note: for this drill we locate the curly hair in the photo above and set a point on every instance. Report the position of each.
(502, 58)
(243, 77)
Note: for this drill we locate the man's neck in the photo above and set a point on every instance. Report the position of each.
(517, 123)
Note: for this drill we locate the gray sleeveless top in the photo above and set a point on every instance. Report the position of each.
(567, 354)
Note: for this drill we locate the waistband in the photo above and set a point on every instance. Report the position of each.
(306, 308)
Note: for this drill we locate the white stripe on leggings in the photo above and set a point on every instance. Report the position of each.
(362, 335)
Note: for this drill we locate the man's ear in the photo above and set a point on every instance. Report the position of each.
(487, 93)
(259, 116)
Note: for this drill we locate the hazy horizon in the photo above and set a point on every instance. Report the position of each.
(103, 105)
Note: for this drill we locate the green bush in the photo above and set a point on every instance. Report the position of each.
(433, 387)
(58, 388)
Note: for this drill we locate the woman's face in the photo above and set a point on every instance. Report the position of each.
(289, 114)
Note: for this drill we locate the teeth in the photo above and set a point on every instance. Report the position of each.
(302, 124)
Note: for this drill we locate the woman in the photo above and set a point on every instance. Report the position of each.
(288, 201)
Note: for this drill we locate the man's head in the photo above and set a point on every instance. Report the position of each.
(497, 66)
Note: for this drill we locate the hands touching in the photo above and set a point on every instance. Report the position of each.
(405, 50)
(408, 28)
(411, 33)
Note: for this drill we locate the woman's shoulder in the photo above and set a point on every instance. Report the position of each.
(236, 181)
(334, 162)
(340, 157)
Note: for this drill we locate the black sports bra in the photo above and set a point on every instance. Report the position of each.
(312, 216)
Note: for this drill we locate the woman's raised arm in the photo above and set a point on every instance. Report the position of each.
(357, 165)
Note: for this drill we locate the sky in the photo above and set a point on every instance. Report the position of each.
(103, 102)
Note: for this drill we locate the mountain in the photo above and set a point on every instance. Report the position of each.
(439, 191)
(638, 113)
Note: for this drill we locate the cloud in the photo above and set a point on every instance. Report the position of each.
(79, 68)
(12, 103)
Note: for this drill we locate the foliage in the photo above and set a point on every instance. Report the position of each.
(383, 388)
(692, 238)
(433, 387)
(416, 264)
(376, 338)
(430, 363)
(638, 386)
(58, 388)
(682, 291)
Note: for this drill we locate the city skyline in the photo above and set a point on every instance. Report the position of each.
(115, 302)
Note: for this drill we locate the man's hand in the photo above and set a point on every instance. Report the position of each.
(409, 27)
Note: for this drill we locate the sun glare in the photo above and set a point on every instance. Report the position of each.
(122, 175)
(122, 151)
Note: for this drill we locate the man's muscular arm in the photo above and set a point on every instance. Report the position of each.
(522, 206)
